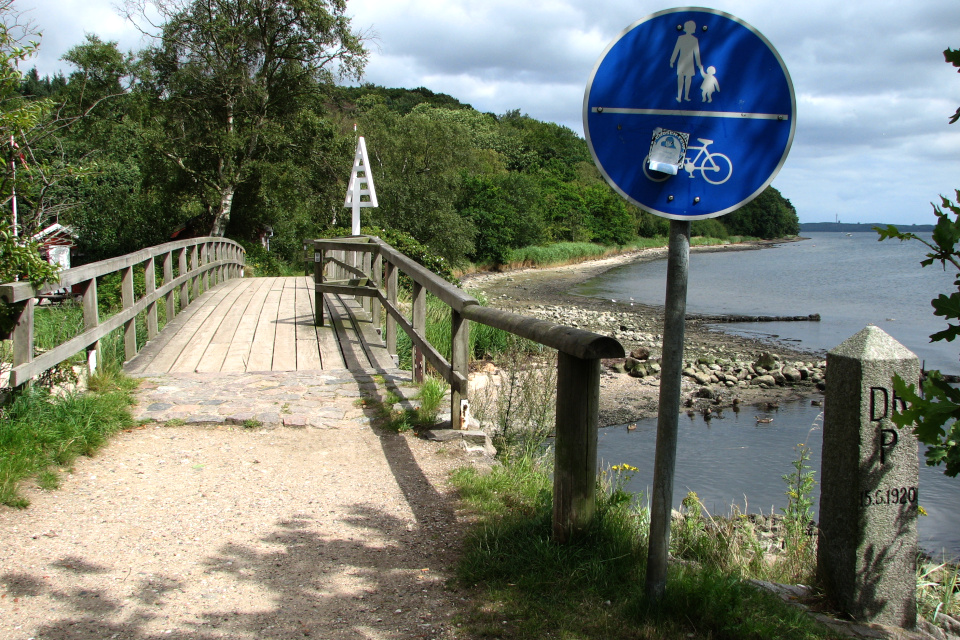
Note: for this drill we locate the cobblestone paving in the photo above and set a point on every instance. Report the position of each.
(317, 399)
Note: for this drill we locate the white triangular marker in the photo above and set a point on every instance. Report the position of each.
(360, 185)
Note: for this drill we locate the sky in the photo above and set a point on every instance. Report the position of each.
(873, 92)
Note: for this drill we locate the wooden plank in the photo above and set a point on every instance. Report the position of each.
(285, 338)
(216, 352)
(239, 352)
(261, 351)
(308, 347)
(165, 358)
(347, 336)
(374, 350)
(329, 346)
(220, 300)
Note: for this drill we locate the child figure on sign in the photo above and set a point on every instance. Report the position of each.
(710, 84)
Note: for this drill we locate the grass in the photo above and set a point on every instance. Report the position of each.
(42, 434)
(424, 415)
(525, 586)
(938, 589)
(485, 342)
(573, 252)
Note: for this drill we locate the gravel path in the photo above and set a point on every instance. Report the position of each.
(326, 530)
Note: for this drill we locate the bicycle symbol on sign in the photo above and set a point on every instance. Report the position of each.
(715, 167)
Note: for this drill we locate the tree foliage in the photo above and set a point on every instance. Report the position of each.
(232, 122)
(227, 73)
(933, 410)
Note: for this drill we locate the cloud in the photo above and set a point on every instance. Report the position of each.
(873, 91)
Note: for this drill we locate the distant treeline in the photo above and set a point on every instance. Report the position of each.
(133, 148)
(853, 227)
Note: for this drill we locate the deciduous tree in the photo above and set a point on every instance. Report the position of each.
(225, 71)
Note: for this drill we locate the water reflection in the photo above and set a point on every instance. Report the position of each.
(738, 460)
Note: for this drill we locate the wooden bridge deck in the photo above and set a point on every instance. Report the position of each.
(264, 324)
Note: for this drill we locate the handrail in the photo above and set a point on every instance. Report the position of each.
(578, 366)
(200, 262)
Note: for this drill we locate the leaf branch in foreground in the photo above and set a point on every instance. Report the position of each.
(933, 414)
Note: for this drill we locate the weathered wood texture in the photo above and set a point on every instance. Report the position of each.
(265, 324)
(578, 385)
(212, 260)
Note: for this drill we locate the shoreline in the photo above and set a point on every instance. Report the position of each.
(718, 366)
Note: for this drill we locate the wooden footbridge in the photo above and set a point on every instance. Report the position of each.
(343, 314)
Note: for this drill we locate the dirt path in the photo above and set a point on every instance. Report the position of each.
(215, 531)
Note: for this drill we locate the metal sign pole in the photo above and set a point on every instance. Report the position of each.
(661, 500)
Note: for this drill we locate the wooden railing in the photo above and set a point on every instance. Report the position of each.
(201, 263)
(362, 265)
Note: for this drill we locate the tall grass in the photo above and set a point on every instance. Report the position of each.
(485, 341)
(40, 432)
(529, 587)
(574, 252)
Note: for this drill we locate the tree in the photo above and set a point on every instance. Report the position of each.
(418, 163)
(225, 71)
(934, 410)
(19, 258)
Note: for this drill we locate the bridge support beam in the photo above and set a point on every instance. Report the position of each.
(575, 447)
(459, 358)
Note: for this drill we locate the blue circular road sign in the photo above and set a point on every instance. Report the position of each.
(689, 113)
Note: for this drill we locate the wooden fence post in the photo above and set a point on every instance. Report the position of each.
(392, 299)
(367, 260)
(150, 282)
(377, 282)
(168, 277)
(185, 287)
(459, 359)
(194, 265)
(419, 328)
(318, 279)
(130, 326)
(575, 469)
(22, 336)
(91, 320)
(204, 260)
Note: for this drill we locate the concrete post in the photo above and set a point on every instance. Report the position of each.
(867, 547)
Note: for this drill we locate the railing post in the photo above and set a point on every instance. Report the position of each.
(318, 279)
(365, 260)
(168, 277)
(459, 359)
(392, 299)
(377, 277)
(575, 467)
(130, 326)
(308, 259)
(419, 328)
(91, 320)
(205, 260)
(185, 287)
(194, 265)
(150, 282)
(22, 336)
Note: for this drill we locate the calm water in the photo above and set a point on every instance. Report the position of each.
(850, 281)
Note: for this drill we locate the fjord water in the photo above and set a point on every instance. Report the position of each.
(851, 281)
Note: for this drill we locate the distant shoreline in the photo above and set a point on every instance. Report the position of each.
(861, 227)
